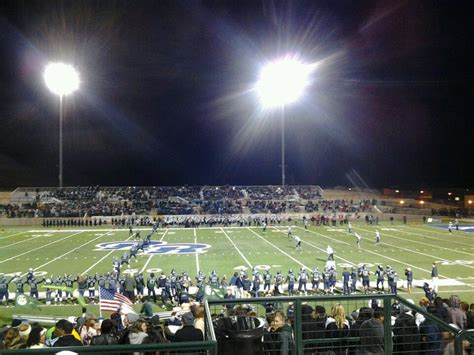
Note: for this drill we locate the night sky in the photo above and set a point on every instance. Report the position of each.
(166, 95)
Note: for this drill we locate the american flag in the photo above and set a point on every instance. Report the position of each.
(111, 301)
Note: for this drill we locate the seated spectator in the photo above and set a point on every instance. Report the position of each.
(64, 331)
(12, 339)
(138, 332)
(107, 334)
(188, 332)
(337, 326)
(155, 331)
(37, 338)
(372, 334)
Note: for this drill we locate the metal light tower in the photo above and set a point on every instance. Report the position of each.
(61, 79)
(283, 82)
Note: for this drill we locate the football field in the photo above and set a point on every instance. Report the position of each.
(79, 250)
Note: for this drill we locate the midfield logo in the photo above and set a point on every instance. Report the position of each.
(157, 247)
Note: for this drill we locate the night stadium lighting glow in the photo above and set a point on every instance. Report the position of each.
(61, 79)
(283, 81)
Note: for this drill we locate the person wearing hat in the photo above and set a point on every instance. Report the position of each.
(188, 332)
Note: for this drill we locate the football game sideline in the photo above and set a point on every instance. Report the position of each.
(74, 251)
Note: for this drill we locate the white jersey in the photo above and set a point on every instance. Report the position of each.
(329, 250)
(357, 237)
(297, 239)
(377, 235)
(289, 231)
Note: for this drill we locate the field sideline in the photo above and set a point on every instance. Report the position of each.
(75, 250)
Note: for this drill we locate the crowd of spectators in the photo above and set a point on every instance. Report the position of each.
(119, 329)
(222, 207)
(262, 206)
(344, 206)
(269, 192)
(222, 192)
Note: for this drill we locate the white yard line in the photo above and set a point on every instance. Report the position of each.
(21, 241)
(322, 235)
(198, 267)
(281, 251)
(235, 246)
(316, 247)
(438, 239)
(151, 256)
(443, 232)
(41, 247)
(418, 252)
(12, 235)
(396, 260)
(69, 252)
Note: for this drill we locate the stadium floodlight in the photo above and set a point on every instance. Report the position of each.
(61, 79)
(283, 82)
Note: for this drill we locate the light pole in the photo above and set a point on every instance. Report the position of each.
(61, 79)
(283, 82)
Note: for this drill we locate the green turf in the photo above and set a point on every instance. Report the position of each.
(413, 245)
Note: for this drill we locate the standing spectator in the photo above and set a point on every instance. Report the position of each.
(188, 332)
(470, 317)
(107, 335)
(88, 330)
(199, 319)
(337, 326)
(406, 336)
(372, 334)
(138, 332)
(457, 316)
(365, 313)
(64, 331)
(279, 338)
(431, 336)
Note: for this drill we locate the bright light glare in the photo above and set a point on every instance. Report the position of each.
(283, 82)
(61, 79)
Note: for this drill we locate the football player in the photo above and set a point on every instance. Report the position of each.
(298, 243)
(302, 280)
(346, 275)
(377, 237)
(290, 279)
(315, 278)
(267, 279)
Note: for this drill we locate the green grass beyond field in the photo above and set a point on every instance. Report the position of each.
(73, 250)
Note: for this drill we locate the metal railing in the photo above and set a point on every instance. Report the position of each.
(244, 326)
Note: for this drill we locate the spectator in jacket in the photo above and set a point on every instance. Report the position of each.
(64, 331)
(406, 336)
(431, 336)
(457, 316)
(337, 326)
(188, 332)
(107, 334)
(372, 334)
(279, 338)
(138, 332)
